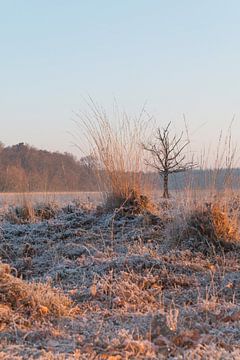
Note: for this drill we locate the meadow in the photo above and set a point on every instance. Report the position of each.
(60, 198)
(128, 273)
(78, 281)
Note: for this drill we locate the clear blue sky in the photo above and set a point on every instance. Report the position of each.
(179, 56)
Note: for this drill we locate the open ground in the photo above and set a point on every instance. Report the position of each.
(80, 282)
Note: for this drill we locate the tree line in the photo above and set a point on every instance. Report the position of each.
(25, 168)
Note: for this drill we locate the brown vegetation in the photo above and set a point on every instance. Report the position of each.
(136, 296)
(210, 227)
(27, 212)
(22, 302)
(115, 143)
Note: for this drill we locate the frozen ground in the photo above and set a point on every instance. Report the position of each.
(140, 292)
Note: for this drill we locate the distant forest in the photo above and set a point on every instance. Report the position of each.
(25, 168)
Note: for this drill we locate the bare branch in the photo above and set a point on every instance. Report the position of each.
(167, 155)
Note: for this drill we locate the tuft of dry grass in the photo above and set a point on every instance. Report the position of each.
(116, 144)
(214, 223)
(31, 301)
(22, 213)
(210, 228)
(27, 212)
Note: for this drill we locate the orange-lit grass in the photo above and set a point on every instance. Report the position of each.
(116, 144)
(215, 223)
(29, 301)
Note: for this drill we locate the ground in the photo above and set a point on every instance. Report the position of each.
(140, 287)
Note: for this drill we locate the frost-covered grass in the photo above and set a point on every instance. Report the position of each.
(142, 286)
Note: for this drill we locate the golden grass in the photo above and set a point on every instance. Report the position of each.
(226, 228)
(31, 301)
(116, 144)
(208, 228)
(215, 223)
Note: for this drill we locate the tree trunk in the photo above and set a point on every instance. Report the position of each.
(165, 185)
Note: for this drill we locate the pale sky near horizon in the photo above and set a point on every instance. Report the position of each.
(178, 56)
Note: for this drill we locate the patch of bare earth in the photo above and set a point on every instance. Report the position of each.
(92, 285)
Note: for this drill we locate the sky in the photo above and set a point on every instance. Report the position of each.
(177, 57)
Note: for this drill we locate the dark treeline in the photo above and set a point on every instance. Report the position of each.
(25, 168)
(217, 179)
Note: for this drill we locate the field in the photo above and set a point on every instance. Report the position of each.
(80, 282)
(94, 198)
(61, 198)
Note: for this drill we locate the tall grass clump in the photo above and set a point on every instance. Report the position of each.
(207, 216)
(115, 142)
(213, 227)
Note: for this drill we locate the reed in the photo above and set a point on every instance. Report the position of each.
(115, 142)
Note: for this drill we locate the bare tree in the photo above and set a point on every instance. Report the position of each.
(167, 155)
